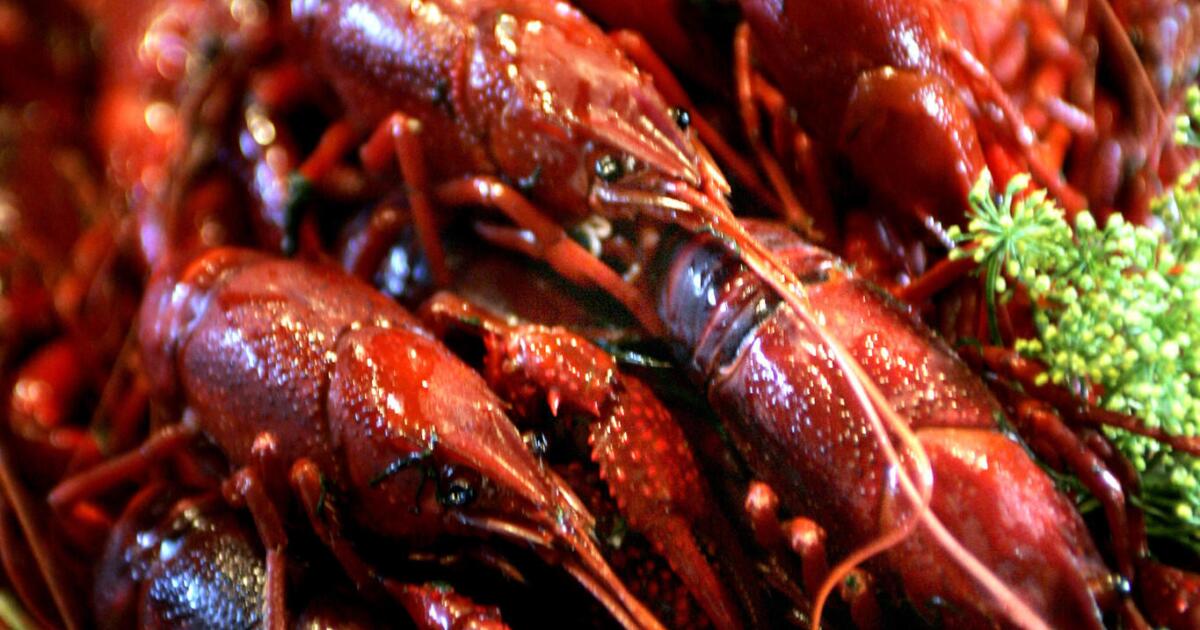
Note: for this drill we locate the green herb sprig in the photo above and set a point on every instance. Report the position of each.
(1116, 308)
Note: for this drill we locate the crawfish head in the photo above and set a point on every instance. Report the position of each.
(422, 435)
(420, 431)
(533, 92)
(428, 449)
(281, 362)
(608, 128)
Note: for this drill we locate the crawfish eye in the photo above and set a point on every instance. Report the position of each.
(609, 168)
(457, 493)
(682, 117)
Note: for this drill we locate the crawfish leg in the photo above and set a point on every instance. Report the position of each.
(1009, 363)
(1015, 126)
(803, 536)
(793, 211)
(281, 86)
(15, 559)
(858, 591)
(806, 156)
(1041, 420)
(120, 469)
(246, 487)
(400, 134)
(120, 411)
(430, 605)
(807, 539)
(761, 506)
(51, 571)
(334, 143)
(940, 276)
(364, 252)
(553, 245)
(1148, 112)
(86, 525)
(309, 485)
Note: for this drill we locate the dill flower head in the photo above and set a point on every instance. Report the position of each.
(1116, 308)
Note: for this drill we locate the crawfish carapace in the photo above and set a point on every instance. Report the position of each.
(768, 376)
(308, 374)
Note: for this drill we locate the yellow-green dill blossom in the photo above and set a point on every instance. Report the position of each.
(1115, 308)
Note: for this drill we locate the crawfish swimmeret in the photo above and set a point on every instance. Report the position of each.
(614, 368)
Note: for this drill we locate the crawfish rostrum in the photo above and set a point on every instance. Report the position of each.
(462, 314)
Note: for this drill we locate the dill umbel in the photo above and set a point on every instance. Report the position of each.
(1116, 308)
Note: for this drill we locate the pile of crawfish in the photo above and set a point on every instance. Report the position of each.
(478, 314)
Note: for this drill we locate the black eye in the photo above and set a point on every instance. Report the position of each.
(457, 493)
(609, 168)
(682, 117)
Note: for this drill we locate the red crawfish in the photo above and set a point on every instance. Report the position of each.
(525, 107)
(306, 378)
(898, 84)
(771, 379)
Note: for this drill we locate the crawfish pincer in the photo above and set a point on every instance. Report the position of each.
(641, 450)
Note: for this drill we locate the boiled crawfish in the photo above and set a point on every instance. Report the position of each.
(376, 409)
(764, 372)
